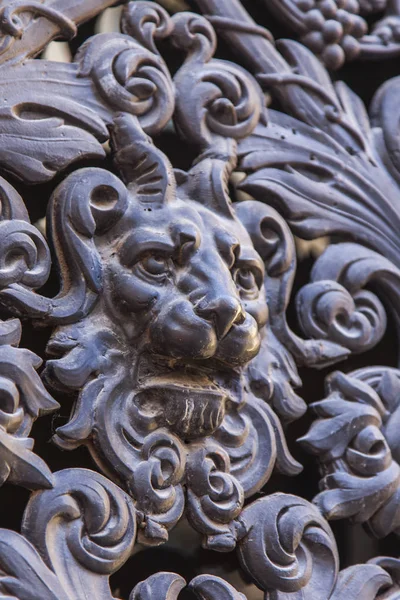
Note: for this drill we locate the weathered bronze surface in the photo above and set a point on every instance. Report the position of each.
(179, 164)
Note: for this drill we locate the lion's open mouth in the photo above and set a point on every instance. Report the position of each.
(192, 405)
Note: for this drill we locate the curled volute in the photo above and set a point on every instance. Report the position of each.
(128, 72)
(88, 202)
(24, 255)
(214, 98)
(289, 550)
(147, 23)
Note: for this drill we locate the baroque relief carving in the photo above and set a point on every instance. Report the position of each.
(163, 301)
(23, 400)
(74, 537)
(77, 534)
(338, 31)
(170, 328)
(173, 276)
(357, 440)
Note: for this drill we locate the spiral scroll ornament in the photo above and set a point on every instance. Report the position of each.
(221, 98)
(129, 77)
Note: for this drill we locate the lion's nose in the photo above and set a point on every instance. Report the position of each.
(222, 311)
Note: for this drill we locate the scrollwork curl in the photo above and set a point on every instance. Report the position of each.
(336, 304)
(12, 25)
(23, 399)
(130, 78)
(24, 255)
(98, 522)
(220, 97)
(156, 485)
(146, 22)
(215, 496)
(326, 310)
(294, 544)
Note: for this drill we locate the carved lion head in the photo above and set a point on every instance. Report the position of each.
(168, 265)
(171, 330)
(165, 307)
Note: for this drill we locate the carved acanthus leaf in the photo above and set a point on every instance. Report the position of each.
(73, 538)
(46, 128)
(319, 186)
(23, 400)
(353, 437)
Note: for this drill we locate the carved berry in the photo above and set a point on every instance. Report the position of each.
(328, 8)
(314, 20)
(332, 31)
(371, 6)
(359, 27)
(306, 5)
(333, 56)
(315, 41)
(345, 19)
(350, 46)
(352, 6)
(396, 31)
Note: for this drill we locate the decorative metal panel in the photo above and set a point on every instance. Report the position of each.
(199, 300)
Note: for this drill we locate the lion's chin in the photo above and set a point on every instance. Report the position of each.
(189, 410)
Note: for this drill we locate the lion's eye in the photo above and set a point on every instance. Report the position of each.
(245, 279)
(155, 264)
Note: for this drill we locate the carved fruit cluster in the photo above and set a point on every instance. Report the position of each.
(334, 29)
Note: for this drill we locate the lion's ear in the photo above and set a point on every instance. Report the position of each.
(274, 242)
(146, 170)
(270, 235)
(88, 202)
